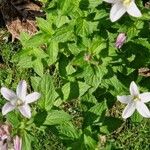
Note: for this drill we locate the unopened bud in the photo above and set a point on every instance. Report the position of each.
(120, 40)
(17, 143)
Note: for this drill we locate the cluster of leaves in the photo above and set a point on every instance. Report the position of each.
(74, 64)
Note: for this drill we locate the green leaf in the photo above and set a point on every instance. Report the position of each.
(89, 142)
(110, 124)
(45, 26)
(136, 117)
(12, 118)
(115, 86)
(67, 6)
(95, 113)
(52, 51)
(47, 90)
(24, 37)
(83, 87)
(56, 117)
(37, 40)
(82, 27)
(25, 62)
(94, 3)
(63, 34)
(97, 46)
(26, 141)
(98, 108)
(68, 131)
(93, 75)
(38, 67)
(61, 20)
(66, 91)
(35, 82)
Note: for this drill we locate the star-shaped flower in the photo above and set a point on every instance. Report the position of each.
(19, 100)
(135, 101)
(120, 7)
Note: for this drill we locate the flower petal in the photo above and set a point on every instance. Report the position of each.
(17, 143)
(110, 1)
(125, 99)
(134, 91)
(133, 10)
(129, 110)
(8, 94)
(145, 97)
(22, 89)
(7, 108)
(32, 97)
(117, 11)
(142, 109)
(25, 110)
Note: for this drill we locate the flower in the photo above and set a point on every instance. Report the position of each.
(17, 143)
(5, 130)
(19, 100)
(120, 7)
(135, 101)
(120, 40)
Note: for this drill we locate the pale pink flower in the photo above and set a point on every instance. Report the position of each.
(121, 38)
(19, 100)
(4, 136)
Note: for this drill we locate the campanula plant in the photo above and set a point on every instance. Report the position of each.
(83, 62)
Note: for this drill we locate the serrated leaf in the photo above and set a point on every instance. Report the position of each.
(45, 26)
(38, 67)
(82, 27)
(25, 62)
(12, 118)
(92, 75)
(63, 34)
(67, 6)
(52, 51)
(98, 108)
(97, 46)
(36, 40)
(61, 20)
(66, 91)
(83, 87)
(56, 117)
(47, 90)
(68, 131)
(35, 81)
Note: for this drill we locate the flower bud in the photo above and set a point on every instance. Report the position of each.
(120, 40)
(17, 143)
(5, 130)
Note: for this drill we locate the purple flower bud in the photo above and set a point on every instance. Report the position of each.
(121, 38)
(17, 143)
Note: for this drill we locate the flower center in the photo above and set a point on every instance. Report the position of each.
(19, 102)
(136, 98)
(126, 2)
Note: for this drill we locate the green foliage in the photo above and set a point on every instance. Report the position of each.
(56, 117)
(73, 62)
